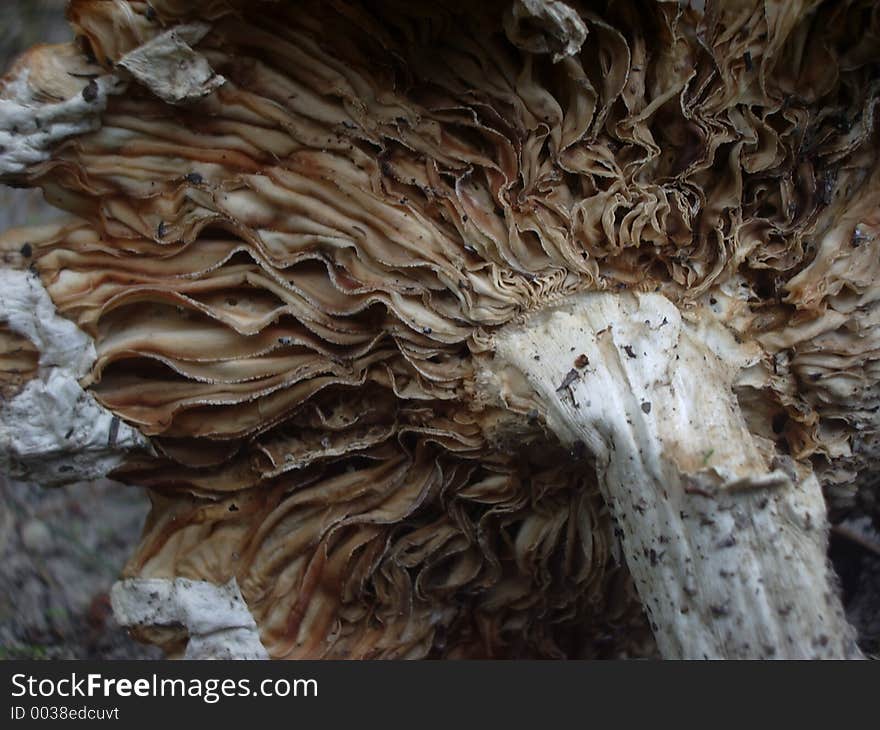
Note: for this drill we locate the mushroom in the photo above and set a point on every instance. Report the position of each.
(464, 329)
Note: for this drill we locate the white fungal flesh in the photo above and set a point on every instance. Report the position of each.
(31, 127)
(53, 431)
(216, 618)
(728, 552)
(170, 68)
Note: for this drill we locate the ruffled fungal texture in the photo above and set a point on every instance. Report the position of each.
(19, 356)
(19, 360)
(289, 282)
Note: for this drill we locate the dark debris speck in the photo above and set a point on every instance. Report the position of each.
(90, 92)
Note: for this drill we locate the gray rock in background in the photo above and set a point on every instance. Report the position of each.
(60, 552)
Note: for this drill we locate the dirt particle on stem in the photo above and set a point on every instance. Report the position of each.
(569, 378)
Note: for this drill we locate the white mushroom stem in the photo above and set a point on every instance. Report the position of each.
(727, 544)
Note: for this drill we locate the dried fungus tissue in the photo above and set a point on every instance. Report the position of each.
(298, 229)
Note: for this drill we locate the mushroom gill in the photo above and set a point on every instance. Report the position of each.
(18, 361)
(303, 229)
